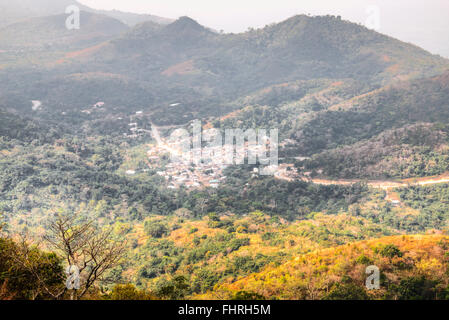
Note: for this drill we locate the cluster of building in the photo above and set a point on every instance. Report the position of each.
(286, 171)
(185, 173)
(182, 166)
(208, 173)
(99, 106)
(134, 130)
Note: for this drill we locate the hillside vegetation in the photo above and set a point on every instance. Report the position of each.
(413, 268)
(206, 71)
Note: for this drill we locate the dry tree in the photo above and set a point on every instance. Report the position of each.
(91, 251)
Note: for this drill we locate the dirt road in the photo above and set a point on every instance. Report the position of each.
(386, 185)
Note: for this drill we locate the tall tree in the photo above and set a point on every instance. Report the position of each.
(88, 251)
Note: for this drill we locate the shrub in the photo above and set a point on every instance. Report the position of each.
(390, 251)
(364, 260)
(346, 291)
(155, 229)
(129, 292)
(193, 230)
(415, 288)
(247, 295)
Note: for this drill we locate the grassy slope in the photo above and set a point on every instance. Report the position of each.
(271, 242)
(311, 275)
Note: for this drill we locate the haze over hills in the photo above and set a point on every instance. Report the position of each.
(301, 47)
(53, 34)
(207, 71)
(14, 11)
(421, 23)
(407, 102)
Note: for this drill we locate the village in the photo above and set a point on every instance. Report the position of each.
(181, 171)
(204, 166)
(201, 167)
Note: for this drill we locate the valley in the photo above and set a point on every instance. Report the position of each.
(96, 147)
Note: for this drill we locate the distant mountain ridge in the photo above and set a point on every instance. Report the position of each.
(17, 10)
(208, 71)
(301, 47)
(53, 33)
(187, 61)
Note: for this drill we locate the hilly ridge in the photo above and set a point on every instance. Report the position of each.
(301, 47)
(53, 34)
(184, 61)
(18, 10)
(403, 103)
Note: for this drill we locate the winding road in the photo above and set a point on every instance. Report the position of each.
(385, 184)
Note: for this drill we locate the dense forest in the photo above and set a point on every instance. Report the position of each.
(419, 150)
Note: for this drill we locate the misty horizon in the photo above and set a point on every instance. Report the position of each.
(423, 24)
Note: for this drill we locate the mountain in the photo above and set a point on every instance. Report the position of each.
(300, 48)
(53, 34)
(182, 38)
(14, 11)
(351, 131)
(132, 19)
(209, 72)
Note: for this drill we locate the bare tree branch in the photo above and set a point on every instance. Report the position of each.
(92, 251)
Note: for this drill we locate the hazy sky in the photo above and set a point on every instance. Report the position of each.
(425, 23)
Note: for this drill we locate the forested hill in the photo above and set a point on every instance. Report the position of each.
(408, 102)
(206, 71)
(53, 35)
(301, 47)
